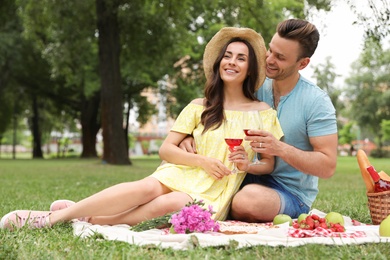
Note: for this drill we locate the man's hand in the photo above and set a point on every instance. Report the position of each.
(264, 142)
(188, 145)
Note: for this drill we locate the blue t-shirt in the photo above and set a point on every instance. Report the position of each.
(306, 111)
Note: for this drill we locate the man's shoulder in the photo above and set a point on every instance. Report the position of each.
(310, 88)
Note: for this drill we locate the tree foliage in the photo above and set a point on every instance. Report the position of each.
(369, 90)
(347, 134)
(385, 128)
(374, 16)
(210, 16)
(73, 67)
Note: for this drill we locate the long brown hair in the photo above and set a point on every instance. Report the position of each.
(213, 115)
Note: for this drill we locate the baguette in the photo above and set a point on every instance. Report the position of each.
(363, 164)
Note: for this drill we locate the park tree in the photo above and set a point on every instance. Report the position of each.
(20, 77)
(369, 92)
(373, 16)
(347, 135)
(64, 32)
(326, 75)
(114, 146)
(102, 54)
(9, 37)
(262, 16)
(385, 128)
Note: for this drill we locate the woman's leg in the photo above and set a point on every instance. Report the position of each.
(113, 200)
(159, 206)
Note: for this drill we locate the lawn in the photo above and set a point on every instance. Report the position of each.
(34, 184)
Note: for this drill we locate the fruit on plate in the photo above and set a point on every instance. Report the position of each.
(313, 221)
(335, 218)
(302, 217)
(384, 227)
(282, 218)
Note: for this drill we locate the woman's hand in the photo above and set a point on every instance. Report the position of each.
(215, 168)
(239, 156)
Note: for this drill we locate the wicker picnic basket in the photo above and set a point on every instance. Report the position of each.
(379, 205)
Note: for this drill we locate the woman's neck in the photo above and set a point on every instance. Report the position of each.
(234, 98)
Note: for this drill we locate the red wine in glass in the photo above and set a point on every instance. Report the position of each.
(246, 132)
(232, 142)
(255, 119)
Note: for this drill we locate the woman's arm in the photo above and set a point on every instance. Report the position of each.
(170, 152)
(188, 145)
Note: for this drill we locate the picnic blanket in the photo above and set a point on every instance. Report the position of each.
(283, 235)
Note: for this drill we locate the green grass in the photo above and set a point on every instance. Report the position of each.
(34, 184)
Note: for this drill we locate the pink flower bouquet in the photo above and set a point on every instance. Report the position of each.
(193, 218)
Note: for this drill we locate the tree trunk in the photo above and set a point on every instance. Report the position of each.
(14, 134)
(37, 143)
(126, 130)
(90, 125)
(114, 147)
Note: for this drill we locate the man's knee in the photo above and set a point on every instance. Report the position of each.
(255, 203)
(242, 203)
(247, 194)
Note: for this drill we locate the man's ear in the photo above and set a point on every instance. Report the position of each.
(303, 63)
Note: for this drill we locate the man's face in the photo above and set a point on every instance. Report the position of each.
(282, 58)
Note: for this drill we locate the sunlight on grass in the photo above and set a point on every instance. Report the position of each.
(34, 184)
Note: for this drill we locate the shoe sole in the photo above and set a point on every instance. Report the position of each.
(65, 201)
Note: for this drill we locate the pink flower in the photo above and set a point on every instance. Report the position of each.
(194, 218)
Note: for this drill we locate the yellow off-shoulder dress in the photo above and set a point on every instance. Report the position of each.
(194, 180)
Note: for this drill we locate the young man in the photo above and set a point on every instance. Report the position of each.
(308, 150)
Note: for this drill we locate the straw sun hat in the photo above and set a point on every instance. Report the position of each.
(215, 45)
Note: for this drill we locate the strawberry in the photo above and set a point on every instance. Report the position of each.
(310, 222)
(315, 217)
(340, 229)
(323, 225)
(316, 224)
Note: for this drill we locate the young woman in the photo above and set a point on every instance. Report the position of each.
(234, 64)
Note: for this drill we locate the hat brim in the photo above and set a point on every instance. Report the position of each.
(219, 40)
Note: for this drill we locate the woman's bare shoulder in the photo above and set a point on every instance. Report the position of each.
(260, 105)
(198, 101)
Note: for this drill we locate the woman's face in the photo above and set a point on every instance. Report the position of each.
(234, 64)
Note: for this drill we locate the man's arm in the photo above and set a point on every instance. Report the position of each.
(188, 144)
(320, 162)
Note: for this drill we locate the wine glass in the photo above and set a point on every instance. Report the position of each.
(233, 136)
(253, 121)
